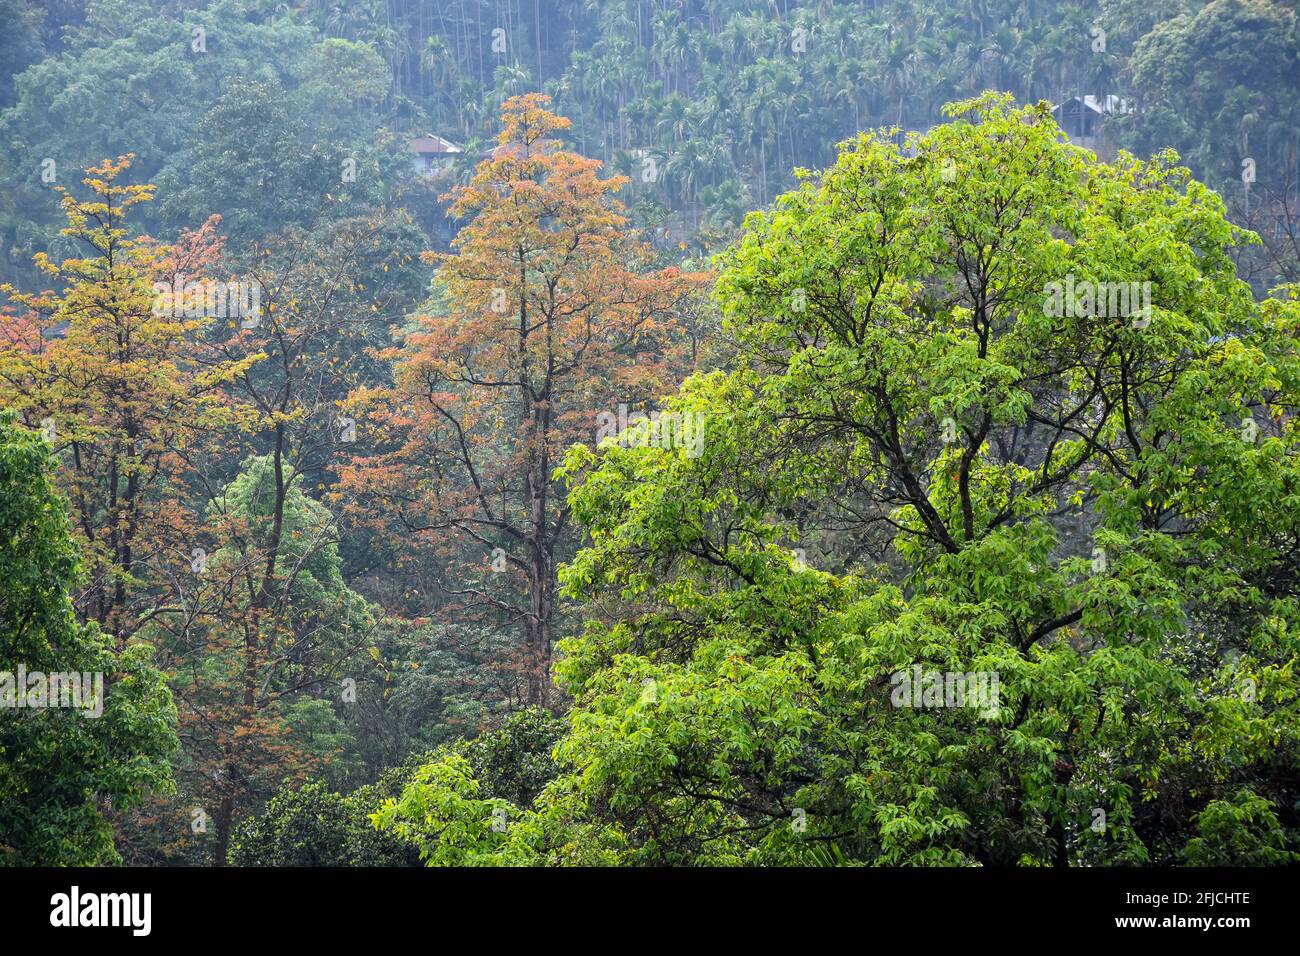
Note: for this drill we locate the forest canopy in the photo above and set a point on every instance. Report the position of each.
(649, 433)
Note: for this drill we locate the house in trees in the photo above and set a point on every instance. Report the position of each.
(1083, 120)
(432, 155)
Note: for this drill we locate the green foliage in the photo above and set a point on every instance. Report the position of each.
(436, 806)
(314, 826)
(60, 767)
(20, 45)
(128, 81)
(1241, 831)
(290, 172)
(307, 556)
(456, 810)
(1222, 84)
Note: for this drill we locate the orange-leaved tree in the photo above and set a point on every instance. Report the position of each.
(117, 376)
(546, 312)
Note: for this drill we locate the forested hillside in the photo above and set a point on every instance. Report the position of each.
(650, 432)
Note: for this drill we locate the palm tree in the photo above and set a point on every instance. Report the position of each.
(510, 79)
(437, 60)
(898, 73)
(683, 171)
(674, 117)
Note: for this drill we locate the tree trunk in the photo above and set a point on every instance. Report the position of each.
(541, 593)
(1062, 855)
(225, 814)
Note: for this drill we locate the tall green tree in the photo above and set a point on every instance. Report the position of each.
(61, 767)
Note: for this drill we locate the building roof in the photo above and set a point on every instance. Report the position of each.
(1103, 106)
(433, 145)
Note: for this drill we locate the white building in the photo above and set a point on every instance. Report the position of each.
(433, 154)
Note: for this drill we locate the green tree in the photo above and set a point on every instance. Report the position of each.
(315, 826)
(457, 805)
(260, 661)
(60, 767)
(130, 80)
(1220, 86)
